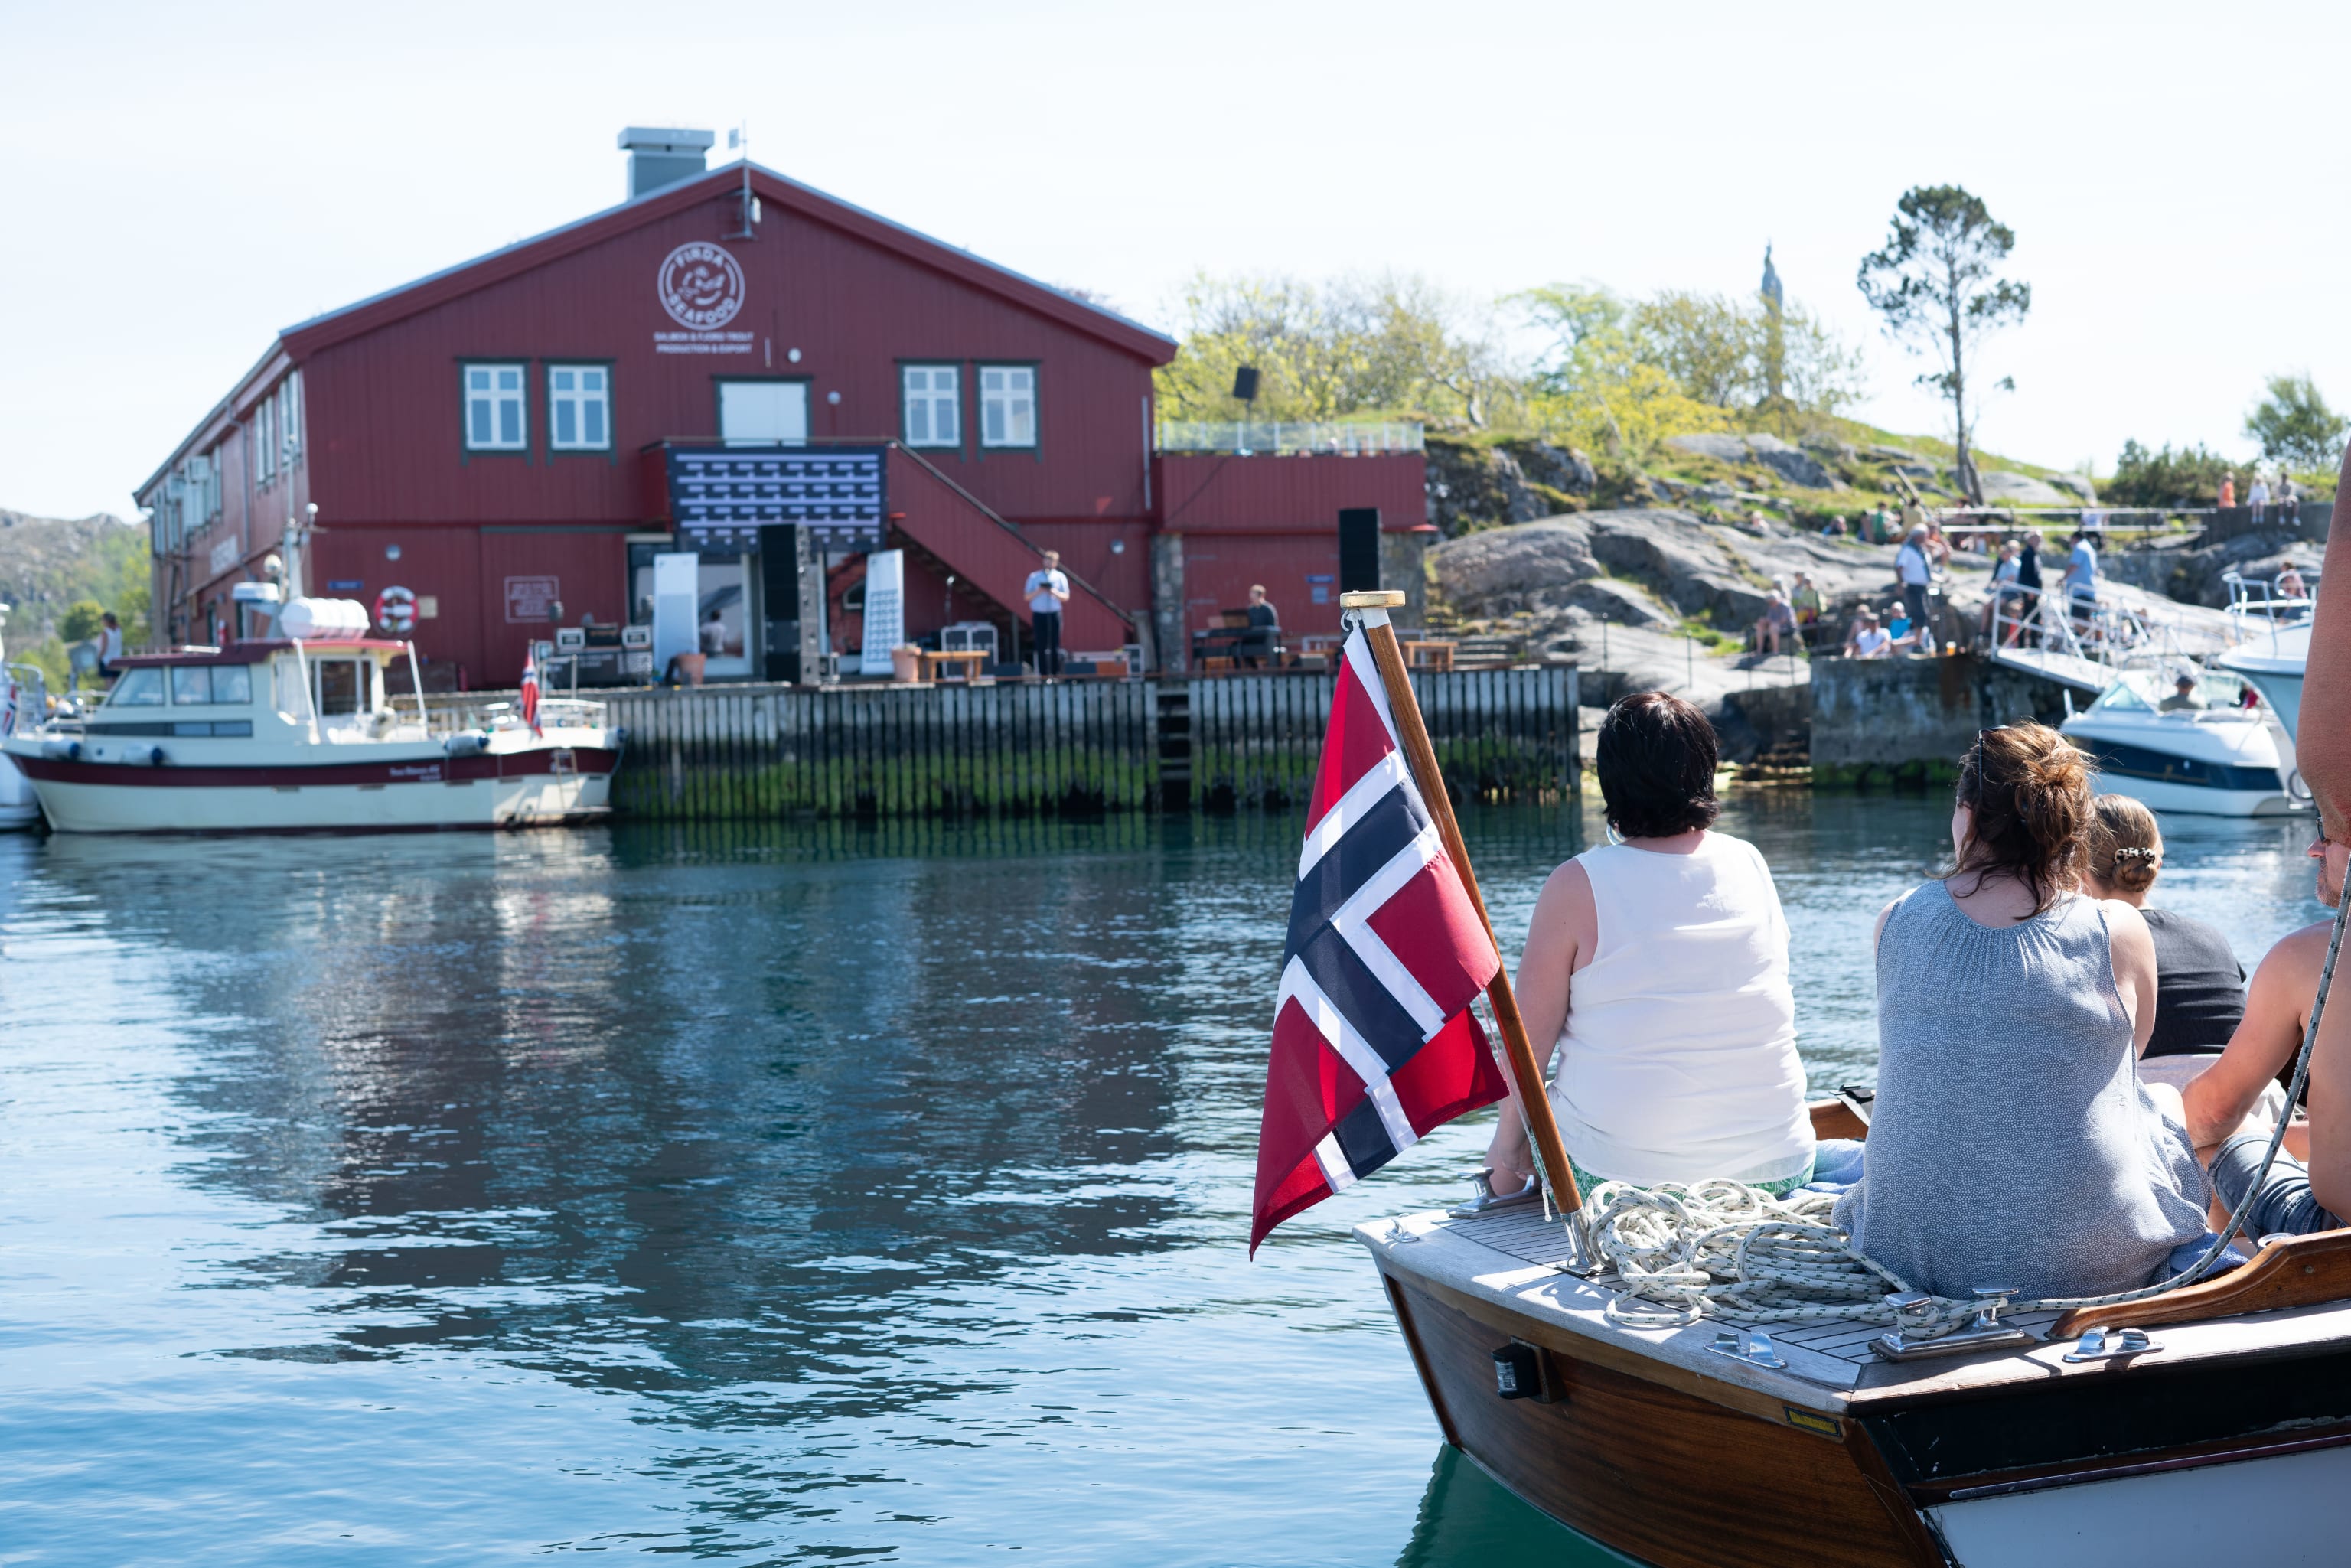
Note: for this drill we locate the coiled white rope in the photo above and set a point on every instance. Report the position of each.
(1721, 1247)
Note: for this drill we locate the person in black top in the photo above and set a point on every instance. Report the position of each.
(2200, 986)
(2027, 584)
(1264, 638)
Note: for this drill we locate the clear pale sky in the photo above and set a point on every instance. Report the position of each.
(185, 181)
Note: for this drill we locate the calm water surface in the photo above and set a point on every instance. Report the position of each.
(748, 1196)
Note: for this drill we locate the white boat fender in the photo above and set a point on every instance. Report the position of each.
(144, 756)
(61, 750)
(466, 743)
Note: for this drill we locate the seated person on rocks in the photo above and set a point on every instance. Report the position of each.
(2011, 1141)
(1658, 965)
(1779, 620)
(1867, 639)
(2200, 986)
(2277, 1012)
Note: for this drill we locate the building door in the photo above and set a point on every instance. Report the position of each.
(726, 610)
(763, 414)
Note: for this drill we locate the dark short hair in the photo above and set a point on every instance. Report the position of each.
(1656, 756)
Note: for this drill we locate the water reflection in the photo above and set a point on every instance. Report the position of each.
(788, 1191)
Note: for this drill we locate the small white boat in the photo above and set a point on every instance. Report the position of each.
(298, 733)
(290, 736)
(2212, 757)
(2274, 642)
(24, 700)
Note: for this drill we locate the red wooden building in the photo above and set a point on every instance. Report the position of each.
(503, 435)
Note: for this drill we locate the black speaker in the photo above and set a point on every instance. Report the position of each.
(1245, 383)
(1359, 549)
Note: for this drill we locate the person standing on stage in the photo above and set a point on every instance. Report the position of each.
(1048, 590)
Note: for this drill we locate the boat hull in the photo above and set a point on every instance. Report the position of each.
(1652, 1470)
(2222, 1461)
(19, 808)
(537, 787)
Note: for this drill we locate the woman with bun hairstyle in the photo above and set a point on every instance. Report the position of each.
(1656, 967)
(2012, 1141)
(2200, 986)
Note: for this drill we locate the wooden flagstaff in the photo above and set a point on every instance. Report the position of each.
(1526, 1072)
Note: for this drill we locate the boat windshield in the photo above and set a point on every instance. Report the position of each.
(141, 687)
(2144, 691)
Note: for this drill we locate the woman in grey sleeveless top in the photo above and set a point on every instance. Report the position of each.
(2013, 1142)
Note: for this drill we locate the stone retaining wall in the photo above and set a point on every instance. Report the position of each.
(1908, 721)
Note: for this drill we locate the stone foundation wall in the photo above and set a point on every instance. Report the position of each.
(1910, 721)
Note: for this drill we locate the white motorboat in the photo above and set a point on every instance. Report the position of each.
(298, 733)
(294, 734)
(2211, 754)
(2274, 643)
(24, 695)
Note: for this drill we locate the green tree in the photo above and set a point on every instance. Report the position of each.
(2294, 425)
(1345, 348)
(81, 619)
(1597, 381)
(2189, 477)
(1933, 285)
(1722, 352)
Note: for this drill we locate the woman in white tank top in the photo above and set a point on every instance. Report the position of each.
(1659, 966)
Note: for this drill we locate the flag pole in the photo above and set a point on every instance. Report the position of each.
(1371, 609)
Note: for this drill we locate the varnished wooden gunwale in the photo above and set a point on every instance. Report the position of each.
(1652, 1470)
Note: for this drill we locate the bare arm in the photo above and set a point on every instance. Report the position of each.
(2134, 960)
(2330, 1087)
(2322, 737)
(1560, 940)
(2266, 1039)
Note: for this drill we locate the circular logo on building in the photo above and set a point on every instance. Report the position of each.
(700, 285)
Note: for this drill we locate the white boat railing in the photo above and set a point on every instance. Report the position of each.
(2256, 607)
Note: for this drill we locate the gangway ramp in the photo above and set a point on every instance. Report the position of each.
(2067, 669)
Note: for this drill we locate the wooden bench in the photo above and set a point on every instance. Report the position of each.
(970, 663)
(1428, 656)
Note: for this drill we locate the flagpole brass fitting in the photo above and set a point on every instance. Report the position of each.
(1372, 599)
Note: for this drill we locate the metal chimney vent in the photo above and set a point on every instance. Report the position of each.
(661, 156)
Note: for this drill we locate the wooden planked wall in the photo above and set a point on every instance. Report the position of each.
(1073, 748)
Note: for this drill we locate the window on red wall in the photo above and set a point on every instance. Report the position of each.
(933, 409)
(1008, 405)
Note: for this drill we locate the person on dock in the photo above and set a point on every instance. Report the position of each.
(1048, 589)
(2005, 602)
(1914, 563)
(1264, 640)
(109, 647)
(2029, 1155)
(1657, 967)
(2258, 497)
(1865, 639)
(2028, 582)
(2082, 581)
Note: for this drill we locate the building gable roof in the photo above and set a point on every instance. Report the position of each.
(509, 261)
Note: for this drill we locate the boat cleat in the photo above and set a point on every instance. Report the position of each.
(1752, 1347)
(2099, 1346)
(1916, 1309)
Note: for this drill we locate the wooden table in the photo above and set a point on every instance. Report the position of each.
(1428, 656)
(973, 660)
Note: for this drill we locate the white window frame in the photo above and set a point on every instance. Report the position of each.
(578, 400)
(265, 442)
(929, 394)
(492, 395)
(1007, 395)
(289, 420)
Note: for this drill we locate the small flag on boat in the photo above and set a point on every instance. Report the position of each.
(530, 692)
(1373, 1042)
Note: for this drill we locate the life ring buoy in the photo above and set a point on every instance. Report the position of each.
(395, 610)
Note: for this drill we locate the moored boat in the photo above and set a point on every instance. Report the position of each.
(286, 735)
(2212, 756)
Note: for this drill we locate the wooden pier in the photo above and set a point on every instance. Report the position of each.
(1071, 748)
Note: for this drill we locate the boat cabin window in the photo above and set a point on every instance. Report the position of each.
(342, 687)
(207, 683)
(2131, 693)
(141, 687)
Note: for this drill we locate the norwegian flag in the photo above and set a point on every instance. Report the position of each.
(1373, 1042)
(530, 692)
